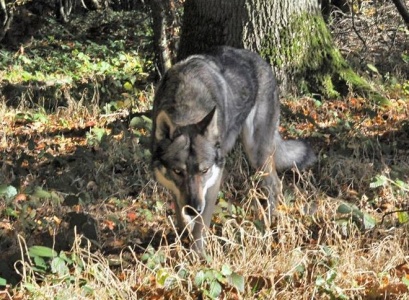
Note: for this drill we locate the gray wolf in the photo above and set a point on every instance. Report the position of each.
(201, 106)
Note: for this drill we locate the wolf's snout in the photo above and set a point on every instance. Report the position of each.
(191, 211)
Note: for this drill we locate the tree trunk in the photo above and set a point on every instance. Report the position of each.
(403, 11)
(165, 21)
(291, 35)
(6, 17)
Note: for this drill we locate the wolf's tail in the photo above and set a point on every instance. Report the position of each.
(290, 153)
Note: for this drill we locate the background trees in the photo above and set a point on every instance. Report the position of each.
(292, 35)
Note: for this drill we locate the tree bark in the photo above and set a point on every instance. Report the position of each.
(165, 22)
(291, 35)
(63, 9)
(403, 11)
(6, 17)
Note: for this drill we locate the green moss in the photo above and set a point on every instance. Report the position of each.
(317, 67)
(328, 86)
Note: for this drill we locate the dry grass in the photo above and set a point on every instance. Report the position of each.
(311, 251)
(303, 256)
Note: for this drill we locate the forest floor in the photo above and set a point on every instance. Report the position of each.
(81, 215)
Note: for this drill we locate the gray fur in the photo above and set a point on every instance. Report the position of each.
(201, 106)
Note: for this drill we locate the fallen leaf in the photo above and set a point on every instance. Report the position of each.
(20, 198)
(131, 216)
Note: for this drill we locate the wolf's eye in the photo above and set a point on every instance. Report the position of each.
(204, 171)
(177, 171)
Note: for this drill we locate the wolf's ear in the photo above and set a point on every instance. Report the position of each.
(164, 126)
(208, 125)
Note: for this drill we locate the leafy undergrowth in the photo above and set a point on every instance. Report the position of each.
(81, 218)
(341, 233)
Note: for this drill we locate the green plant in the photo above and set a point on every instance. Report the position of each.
(7, 191)
(95, 136)
(211, 281)
(327, 285)
(382, 180)
(3, 282)
(399, 189)
(152, 259)
(63, 268)
(46, 260)
(359, 217)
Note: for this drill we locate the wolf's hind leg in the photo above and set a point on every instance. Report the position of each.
(271, 183)
(258, 137)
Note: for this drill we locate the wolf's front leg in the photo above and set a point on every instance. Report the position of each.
(203, 221)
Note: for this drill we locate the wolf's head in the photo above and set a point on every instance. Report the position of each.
(188, 161)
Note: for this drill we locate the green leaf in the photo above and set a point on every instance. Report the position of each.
(183, 273)
(347, 208)
(65, 258)
(42, 251)
(200, 278)
(140, 122)
(161, 276)
(401, 184)
(226, 271)
(405, 280)
(344, 208)
(358, 216)
(88, 289)
(41, 117)
(380, 180)
(128, 86)
(219, 276)
(98, 133)
(215, 289)
(237, 281)
(30, 287)
(369, 221)
(147, 120)
(403, 217)
(372, 68)
(146, 256)
(26, 76)
(25, 59)
(147, 214)
(39, 264)
(42, 194)
(103, 67)
(3, 282)
(209, 275)
(58, 265)
(331, 275)
(21, 117)
(319, 281)
(8, 191)
(11, 212)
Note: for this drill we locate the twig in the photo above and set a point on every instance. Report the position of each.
(392, 212)
(354, 27)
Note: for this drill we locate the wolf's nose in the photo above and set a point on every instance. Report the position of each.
(199, 209)
(190, 211)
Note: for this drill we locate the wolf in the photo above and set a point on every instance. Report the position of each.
(201, 107)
